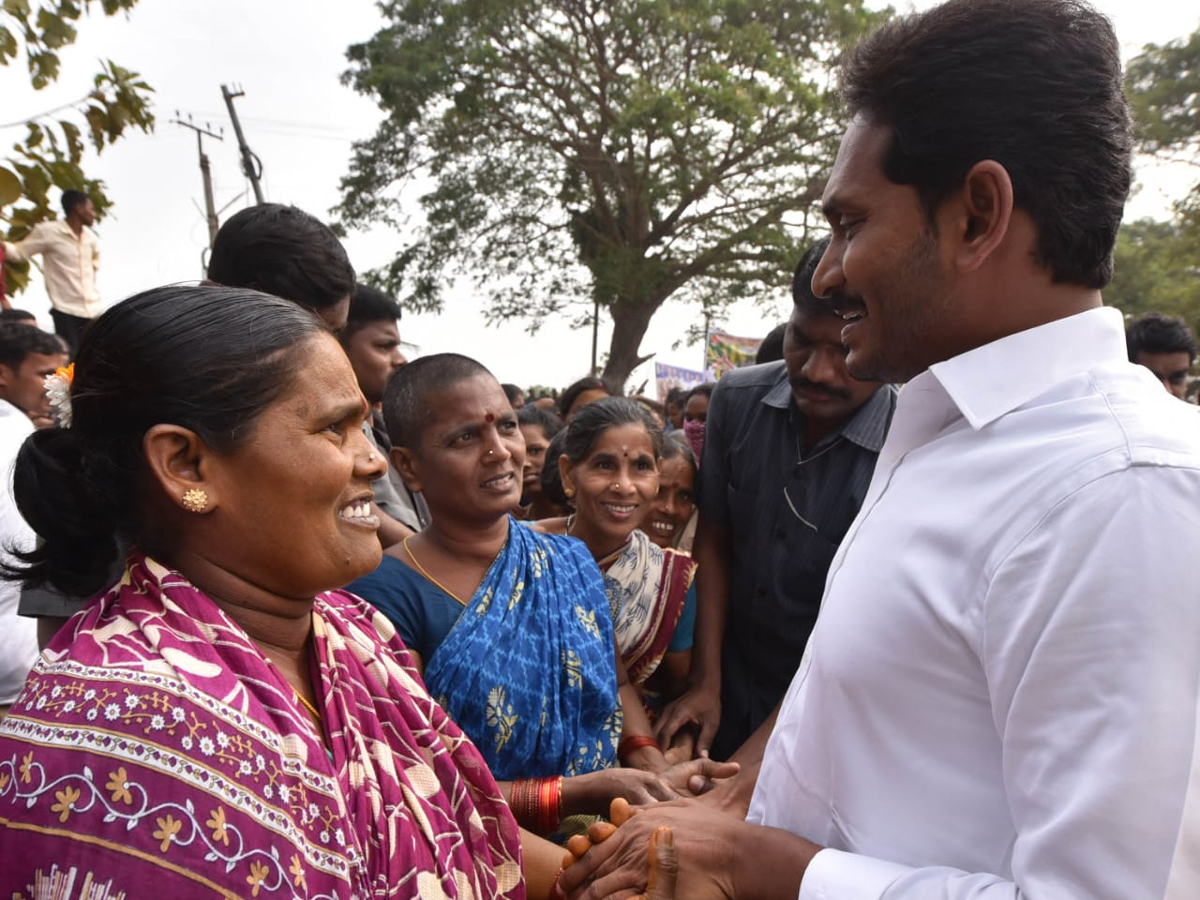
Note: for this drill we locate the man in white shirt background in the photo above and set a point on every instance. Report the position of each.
(70, 259)
(999, 699)
(1164, 345)
(27, 356)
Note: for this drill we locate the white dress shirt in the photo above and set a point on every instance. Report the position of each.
(18, 635)
(69, 264)
(999, 699)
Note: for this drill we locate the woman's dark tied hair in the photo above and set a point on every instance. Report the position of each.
(566, 402)
(1035, 85)
(210, 359)
(594, 419)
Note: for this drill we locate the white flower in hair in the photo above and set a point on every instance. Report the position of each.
(58, 389)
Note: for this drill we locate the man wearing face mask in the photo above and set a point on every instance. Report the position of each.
(789, 449)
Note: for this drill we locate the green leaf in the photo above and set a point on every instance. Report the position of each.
(10, 187)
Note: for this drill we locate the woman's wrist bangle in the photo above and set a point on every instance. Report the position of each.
(537, 803)
(633, 743)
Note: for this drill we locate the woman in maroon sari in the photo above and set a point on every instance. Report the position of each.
(221, 721)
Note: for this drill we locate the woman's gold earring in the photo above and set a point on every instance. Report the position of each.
(195, 500)
(569, 491)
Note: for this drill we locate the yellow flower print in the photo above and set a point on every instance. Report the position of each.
(258, 874)
(587, 618)
(66, 801)
(573, 666)
(216, 822)
(167, 829)
(518, 591)
(500, 716)
(118, 783)
(297, 871)
(26, 765)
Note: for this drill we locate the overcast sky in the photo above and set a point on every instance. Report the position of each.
(287, 55)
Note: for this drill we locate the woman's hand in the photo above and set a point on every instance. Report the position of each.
(592, 794)
(696, 776)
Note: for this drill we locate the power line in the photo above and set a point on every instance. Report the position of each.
(43, 115)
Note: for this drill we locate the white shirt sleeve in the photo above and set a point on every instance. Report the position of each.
(1091, 654)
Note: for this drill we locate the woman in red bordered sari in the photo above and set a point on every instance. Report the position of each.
(609, 469)
(221, 722)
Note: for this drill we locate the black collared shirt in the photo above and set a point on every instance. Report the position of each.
(782, 542)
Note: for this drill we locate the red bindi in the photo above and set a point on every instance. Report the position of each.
(489, 418)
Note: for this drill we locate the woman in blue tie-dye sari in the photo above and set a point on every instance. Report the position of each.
(512, 626)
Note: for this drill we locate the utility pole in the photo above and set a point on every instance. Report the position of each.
(595, 331)
(209, 205)
(251, 164)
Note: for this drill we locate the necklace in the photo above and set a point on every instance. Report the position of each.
(312, 709)
(421, 569)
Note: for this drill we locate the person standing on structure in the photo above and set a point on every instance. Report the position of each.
(70, 260)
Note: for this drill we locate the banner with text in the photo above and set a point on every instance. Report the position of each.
(723, 352)
(667, 378)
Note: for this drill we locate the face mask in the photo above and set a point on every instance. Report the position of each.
(694, 432)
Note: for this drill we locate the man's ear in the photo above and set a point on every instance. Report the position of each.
(181, 461)
(986, 208)
(7, 376)
(404, 461)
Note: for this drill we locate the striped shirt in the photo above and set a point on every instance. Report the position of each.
(782, 542)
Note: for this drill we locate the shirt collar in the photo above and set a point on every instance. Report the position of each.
(992, 380)
(867, 427)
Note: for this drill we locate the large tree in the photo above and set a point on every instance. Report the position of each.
(616, 152)
(50, 155)
(1158, 263)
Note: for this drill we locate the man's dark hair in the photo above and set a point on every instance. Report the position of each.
(409, 395)
(544, 419)
(13, 316)
(1033, 84)
(369, 305)
(771, 348)
(284, 251)
(18, 340)
(802, 293)
(72, 199)
(1156, 333)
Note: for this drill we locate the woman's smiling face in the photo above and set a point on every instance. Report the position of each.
(614, 485)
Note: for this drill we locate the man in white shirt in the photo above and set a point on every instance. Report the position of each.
(999, 699)
(27, 356)
(71, 258)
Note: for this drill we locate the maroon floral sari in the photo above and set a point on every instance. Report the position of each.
(156, 753)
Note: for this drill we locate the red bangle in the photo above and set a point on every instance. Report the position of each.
(556, 891)
(635, 742)
(537, 803)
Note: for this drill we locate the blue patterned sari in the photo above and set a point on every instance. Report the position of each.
(528, 670)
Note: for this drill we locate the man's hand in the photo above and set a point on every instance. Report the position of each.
(699, 706)
(614, 866)
(663, 866)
